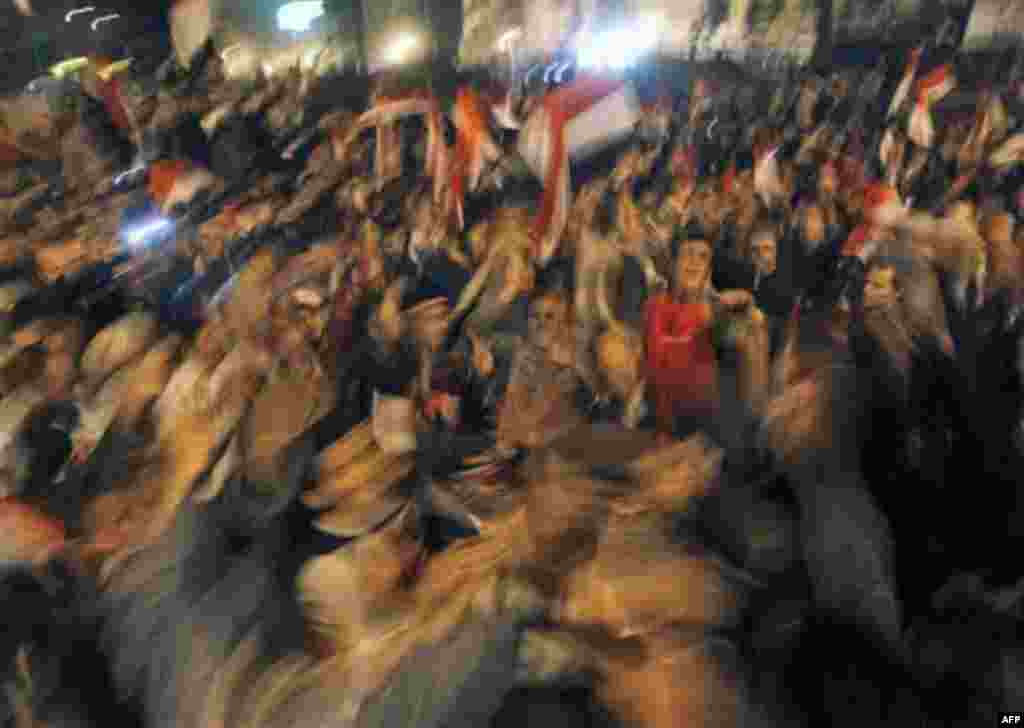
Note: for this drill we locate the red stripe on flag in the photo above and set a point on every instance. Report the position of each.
(470, 130)
(562, 106)
(935, 84)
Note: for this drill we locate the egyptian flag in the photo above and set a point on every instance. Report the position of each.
(881, 203)
(191, 23)
(930, 89)
(903, 90)
(574, 120)
(474, 147)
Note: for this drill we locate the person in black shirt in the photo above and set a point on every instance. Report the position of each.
(763, 272)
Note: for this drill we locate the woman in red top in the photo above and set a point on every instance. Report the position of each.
(682, 367)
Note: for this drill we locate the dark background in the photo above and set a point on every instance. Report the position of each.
(32, 44)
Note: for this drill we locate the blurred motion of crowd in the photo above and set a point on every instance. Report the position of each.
(422, 400)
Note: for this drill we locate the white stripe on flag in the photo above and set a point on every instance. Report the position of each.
(611, 119)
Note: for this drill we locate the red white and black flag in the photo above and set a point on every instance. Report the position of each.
(574, 121)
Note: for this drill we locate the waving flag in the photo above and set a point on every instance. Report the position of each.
(575, 120)
(903, 90)
(474, 147)
(930, 89)
(882, 204)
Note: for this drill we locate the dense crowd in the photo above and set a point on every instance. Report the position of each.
(341, 402)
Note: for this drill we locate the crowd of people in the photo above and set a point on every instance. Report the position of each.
(334, 409)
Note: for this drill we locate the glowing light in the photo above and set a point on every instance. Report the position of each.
(402, 48)
(104, 19)
(620, 48)
(78, 11)
(230, 50)
(138, 236)
(298, 16)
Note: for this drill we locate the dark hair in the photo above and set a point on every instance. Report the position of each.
(607, 214)
(386, 205)
(761, 228)
(692, 231)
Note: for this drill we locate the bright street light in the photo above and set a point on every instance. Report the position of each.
(298, 16)
(104, 19)
(78, 11)
(402, 48)
(620, 48)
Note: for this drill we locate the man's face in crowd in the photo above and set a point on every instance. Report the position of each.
(764, 250)
(549, 320)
